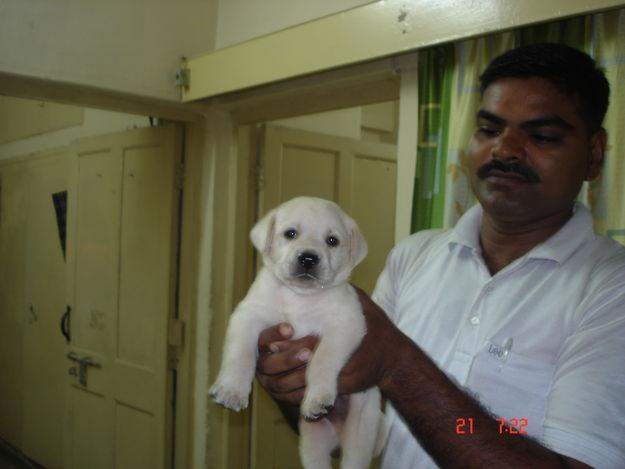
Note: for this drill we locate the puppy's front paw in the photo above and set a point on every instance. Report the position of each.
(229, 396)
(317, 402)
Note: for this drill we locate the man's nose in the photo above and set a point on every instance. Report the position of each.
(308, 259)
(508, 146)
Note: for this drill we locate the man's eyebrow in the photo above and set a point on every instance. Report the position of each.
(550, 121)
(547, 121)
(489, 116)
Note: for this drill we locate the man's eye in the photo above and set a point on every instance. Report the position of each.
(487, 131)
(290, 234)
(541, 138)
(332, 241)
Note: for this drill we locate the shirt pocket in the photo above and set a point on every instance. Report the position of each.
(516, 387)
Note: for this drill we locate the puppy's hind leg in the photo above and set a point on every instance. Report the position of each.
(360, 432)
(317, 440)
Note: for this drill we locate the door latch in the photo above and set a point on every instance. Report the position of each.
(82, 363)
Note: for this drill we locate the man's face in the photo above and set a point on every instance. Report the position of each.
(530, 151)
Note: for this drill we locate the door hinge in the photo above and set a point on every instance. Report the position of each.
(183, 78)
(260, 178)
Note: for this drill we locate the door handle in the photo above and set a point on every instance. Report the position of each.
(83, 363)
(65, 324)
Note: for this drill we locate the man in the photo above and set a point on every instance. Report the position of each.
(514, 321)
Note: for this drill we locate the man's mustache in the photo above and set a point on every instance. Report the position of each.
(513, 167)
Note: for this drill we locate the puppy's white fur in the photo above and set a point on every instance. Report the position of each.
(314, 300)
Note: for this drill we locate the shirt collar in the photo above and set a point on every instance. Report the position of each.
(467, 229)
(559, 247)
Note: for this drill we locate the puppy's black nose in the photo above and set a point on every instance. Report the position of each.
(308, 260)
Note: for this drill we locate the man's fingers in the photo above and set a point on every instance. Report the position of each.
(273, 334)
(293, 355)
(286, 388)
(295, 397)
(285, 384)
(309, 342)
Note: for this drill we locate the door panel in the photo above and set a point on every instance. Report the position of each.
(97, 246)
(315, 171)
(373, 206)
(90, 430)
(44, 364)
(125, 238)
(361, 177)
(13, 212)
(134, 429)
(31, 305)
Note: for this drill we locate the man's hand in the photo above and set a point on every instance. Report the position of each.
(282, 362)
(281, 367)
(281, 371)
(371, 362)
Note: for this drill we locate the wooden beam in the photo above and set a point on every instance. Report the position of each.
(20, 86)
(358, 85)
(377, 30)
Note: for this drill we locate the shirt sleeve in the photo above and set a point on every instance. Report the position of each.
(404, 260)
(585, 417)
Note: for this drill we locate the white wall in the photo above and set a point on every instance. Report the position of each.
(135, 46)
(132, 46)
(240, 20)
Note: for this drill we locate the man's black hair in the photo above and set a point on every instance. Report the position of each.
(569, 70)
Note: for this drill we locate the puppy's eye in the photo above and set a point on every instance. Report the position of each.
(290, 234)
(332, 241)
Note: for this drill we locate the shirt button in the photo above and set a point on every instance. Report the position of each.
(475, 321)
(489, 289)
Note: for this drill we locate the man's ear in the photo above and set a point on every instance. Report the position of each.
(262, 233)
(596, 155)
(357, 244)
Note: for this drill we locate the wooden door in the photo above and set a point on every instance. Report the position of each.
(122, 238)
(13, 221)
(32, 299)
(43, 345)
(361, 177)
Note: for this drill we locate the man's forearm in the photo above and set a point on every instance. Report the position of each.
(430, 404)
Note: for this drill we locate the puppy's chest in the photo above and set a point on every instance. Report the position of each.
(306, 315)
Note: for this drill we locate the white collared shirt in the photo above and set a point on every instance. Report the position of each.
(541, 340)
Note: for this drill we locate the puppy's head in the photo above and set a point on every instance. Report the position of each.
(309, 243)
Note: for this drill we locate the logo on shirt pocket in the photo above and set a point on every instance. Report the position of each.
(511, 385)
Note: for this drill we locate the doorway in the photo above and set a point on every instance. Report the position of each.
(88, 249)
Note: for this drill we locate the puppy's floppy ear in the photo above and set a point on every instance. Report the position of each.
(262, 233)
(357, 244)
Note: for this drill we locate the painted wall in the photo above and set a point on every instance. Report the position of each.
(94, 122)
(132, 46)
(240, 20)
(374, 122)
(135, 46)
(342, 123)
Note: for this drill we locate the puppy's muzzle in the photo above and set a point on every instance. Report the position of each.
(308, 260)
(306, 266)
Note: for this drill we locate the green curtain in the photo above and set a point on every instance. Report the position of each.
(435, 75)
(449, 86)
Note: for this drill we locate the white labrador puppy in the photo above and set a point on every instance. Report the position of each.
(309, 248)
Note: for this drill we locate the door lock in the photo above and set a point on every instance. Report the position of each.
(82, 363)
